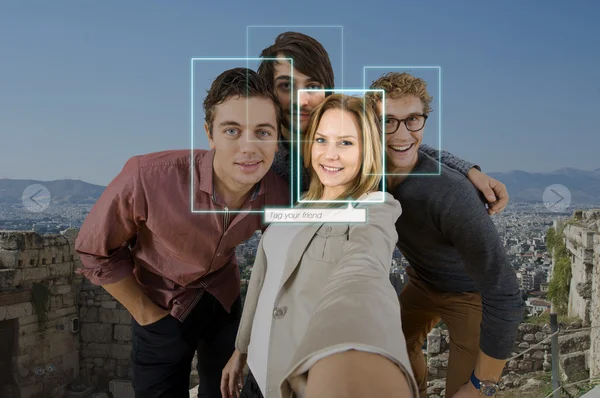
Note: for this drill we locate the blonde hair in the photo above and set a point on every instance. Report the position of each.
(371, 169)
(398, 85)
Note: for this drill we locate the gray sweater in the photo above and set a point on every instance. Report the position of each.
(451, 242)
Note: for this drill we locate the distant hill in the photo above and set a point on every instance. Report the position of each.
(529, 187)
(69, 191)
(522, 187)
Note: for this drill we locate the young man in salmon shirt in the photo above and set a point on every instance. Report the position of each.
(175, 271)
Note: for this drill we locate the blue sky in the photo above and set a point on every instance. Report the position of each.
(84, 85)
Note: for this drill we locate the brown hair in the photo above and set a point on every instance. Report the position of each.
(398, 85)
(371, 170)
(310, 58)
(238, 82)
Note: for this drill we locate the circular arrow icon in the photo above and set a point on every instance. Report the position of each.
(557, 198)
(36, 198)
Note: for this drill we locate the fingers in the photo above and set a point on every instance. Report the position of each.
(233, 391)
(501, 194)
(225, 384)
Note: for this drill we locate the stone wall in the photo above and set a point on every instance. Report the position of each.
(583, 242)
(579, 242)
(574, 358)
(36, 274)
(105, 337)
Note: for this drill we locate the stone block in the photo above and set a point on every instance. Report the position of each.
(110, 365)
(63, 312)
(122, 371)
(124, 317)
(546, 329)
(35, 274)
(120, 351)
(96, 332)
(32, 390)
(433, 342)
(62, 345)
(122, 333)
(524, 345)
(99, 362)
(10, 277)
(56, 303)
(10, 258)
(539, 336)
(95, 350)
(525, 365)
(529, 338)
(108, 304)
(71, 361)
(576, 341)
(60, 289)
(121, 389)
(2, 313)
(26, 320)
(89, 314)
(68, 300)
(18, 310)
(573, 366)
(108, 315)
(64, 269)
(538, 355)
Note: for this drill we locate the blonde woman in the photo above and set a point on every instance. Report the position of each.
(321, 317)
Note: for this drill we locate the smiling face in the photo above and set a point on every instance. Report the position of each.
(283, 84)
(336, 152)
(402, 146)
(244, 137)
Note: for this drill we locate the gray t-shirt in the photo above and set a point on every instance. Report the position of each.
(451, 242)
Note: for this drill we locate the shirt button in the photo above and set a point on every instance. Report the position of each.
(218, 254)
(328, 230)
(279, 313)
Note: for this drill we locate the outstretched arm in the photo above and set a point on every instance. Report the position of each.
(494, 191)
(356, 319)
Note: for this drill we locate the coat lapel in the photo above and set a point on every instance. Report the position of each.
(297, 249)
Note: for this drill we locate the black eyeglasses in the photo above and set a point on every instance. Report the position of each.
(412, 123)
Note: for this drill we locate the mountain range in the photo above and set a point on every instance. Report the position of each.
(522, 186)
(65, 191)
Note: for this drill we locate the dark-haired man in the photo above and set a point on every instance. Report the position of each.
(176, 271)
(313, 70)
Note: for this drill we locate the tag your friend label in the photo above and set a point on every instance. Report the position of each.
(348, 214)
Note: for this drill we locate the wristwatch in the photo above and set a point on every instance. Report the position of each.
(485, 387)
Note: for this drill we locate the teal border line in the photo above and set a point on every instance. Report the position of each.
(439, 68)
(298, 149)
(247, 59)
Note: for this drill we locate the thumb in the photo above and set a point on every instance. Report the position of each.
(489, 194)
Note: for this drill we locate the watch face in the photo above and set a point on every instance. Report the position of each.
(488, 390)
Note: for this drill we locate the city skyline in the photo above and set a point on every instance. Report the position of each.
(88, 85)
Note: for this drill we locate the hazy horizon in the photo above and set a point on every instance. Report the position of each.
(85, 86)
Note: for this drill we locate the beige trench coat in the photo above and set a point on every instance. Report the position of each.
(335, 292)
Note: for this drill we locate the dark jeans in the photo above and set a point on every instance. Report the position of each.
(251, 388)
(162, 352)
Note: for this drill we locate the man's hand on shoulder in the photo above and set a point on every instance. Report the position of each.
(494, 191)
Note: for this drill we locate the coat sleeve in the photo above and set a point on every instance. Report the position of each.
(358, 308)
(257, 277)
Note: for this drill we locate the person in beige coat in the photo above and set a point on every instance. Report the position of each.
(321, 318)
